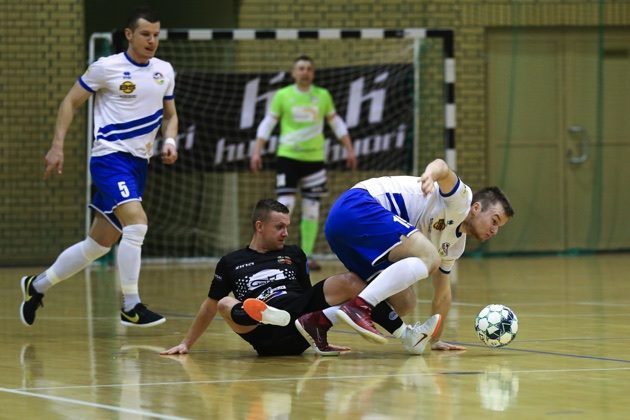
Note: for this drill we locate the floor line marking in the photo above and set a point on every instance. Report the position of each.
(551, 353)
(89, 404)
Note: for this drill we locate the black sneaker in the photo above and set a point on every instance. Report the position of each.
(32, 300)
(140, 316)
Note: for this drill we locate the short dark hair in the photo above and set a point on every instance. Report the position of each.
(264, 207)
(141, 13)
(303, 57)
(492, 195)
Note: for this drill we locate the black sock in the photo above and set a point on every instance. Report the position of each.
(385, 316)
(240, 316)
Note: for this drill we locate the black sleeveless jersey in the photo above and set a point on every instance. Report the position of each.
(250, 274)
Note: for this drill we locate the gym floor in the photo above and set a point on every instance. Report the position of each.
(569, 359)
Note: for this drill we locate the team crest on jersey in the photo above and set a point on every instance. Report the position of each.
(158, 77)
(444, 249)
(127, 87)
(285, 260)
(439, 225)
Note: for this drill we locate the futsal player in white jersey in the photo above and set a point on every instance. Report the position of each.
(401, 229)
(133, 100)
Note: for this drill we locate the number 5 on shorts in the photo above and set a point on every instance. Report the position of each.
(124, 191)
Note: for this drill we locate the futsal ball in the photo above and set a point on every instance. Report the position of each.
(496, 325)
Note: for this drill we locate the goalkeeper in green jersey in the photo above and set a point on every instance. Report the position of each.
(301, 109)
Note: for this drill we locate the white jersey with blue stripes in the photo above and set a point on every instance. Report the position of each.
(128, 104)
(437, 216)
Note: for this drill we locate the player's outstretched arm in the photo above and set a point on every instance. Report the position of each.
(204, 317)
(441, 304)
(75, 97)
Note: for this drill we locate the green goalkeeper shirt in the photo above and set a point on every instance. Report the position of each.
(301, 116)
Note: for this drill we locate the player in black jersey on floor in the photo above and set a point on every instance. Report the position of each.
(272, 288)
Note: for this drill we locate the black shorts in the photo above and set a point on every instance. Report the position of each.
(310, 175)
(271, 340)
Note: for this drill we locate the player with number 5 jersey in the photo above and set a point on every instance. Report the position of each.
(133, 100)
(395, 231)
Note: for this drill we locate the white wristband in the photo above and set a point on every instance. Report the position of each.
(170, 141)
(338, 126)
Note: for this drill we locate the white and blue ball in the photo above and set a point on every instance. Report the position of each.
(496, 325)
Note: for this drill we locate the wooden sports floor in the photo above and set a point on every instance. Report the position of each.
(571, 358)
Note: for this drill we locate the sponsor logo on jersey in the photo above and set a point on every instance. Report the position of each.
(304, 114)
(285, 260)
(127, 87)
(126, 75)
(238, 267)
(439, 225)
(158, 77)
(444, 249)
(265, 276)
(272, 292)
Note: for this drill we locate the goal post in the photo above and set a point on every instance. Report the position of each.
(393, 87)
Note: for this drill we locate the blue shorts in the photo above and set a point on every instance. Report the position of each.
(362, 232)
(118, 178)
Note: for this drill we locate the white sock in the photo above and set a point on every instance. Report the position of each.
(288, 201)
(128, 258)
(331, 314)
(69, 262)
(395, 278)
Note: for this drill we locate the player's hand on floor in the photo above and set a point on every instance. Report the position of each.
(178, 349)
(443, 345)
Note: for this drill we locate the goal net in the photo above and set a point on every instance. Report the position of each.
(387, 85)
